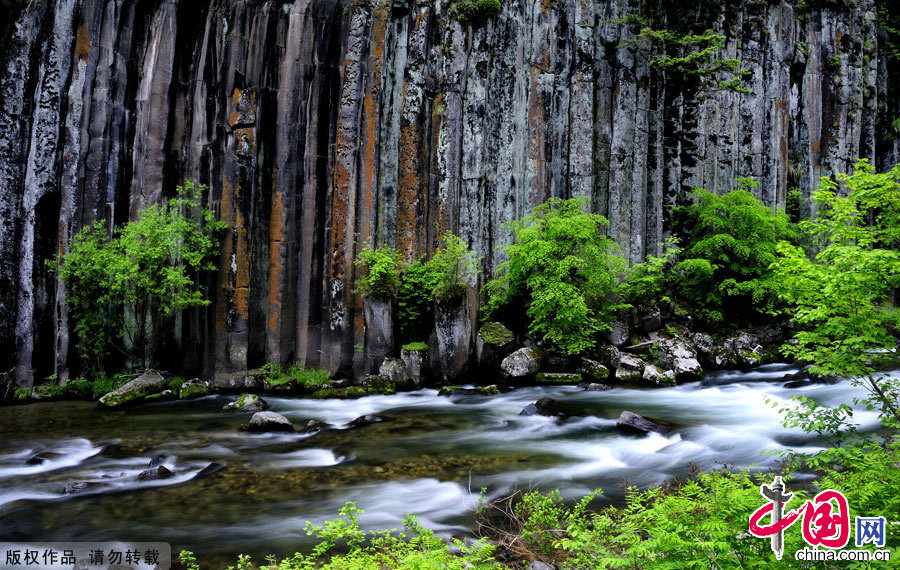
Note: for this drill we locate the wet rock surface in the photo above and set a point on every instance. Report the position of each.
(135, 391)
(269, 422)
(629, 422)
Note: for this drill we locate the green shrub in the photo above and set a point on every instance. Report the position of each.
(475, 12)
(175, 384)
(454, 267)
(415, 300)
(355, 392)
(80, 388)
(22, 393)
(126, 291)
(415, 346)
(728, 246)
(297, 374)
(381, 272)
(654, 280)
(564, 269)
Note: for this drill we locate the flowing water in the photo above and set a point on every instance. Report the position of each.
(429, 456)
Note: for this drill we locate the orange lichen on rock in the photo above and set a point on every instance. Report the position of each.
(82, 44)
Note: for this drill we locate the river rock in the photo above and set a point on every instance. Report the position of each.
(395, 371)
(210, 469)
(678, 355)
(81, 487)
(609, 356)
(154, 474)
(649, 317)
(269, 422)
(490, 390)
(158, 460)
(492, 344)
(194, 388)
(150, 382)
(557, 378)
(315, 426)
(593, 369)
(630, 369)
(630, 422)
(595, 387)
(523, 362)
(363, 421)
(653, 375)
(540, 565)
(544, 407)
(247, 403)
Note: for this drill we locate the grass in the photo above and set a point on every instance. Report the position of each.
(308, 379)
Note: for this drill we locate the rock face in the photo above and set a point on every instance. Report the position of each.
(150, 382)
(453, 325)
(523, 362)
(322, 126)
(629, 422)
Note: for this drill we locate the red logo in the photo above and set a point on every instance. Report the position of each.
(826, 518)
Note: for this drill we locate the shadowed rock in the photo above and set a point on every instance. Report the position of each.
(150, 382)
(629, 422)
(269, 422)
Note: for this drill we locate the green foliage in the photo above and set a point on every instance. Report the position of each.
(693, 55)
(839, 297)
(175, 384)
(415, 346)
(124, 291)
(381, 272)
(729, 243)
(564, 268)
(475, 12)
(355, 392)
(792, 205)
(22, 394)
(654, 280)
(445, 277)
(309, 380)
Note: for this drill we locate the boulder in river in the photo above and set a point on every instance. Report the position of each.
(81, 487)
(558, 378)
(395, 370)
(630, 368)
(247, 403)
(543, 407)
(155, 474)
(362, 421)
(593, 369)
(195, 388)
(595, 387)
(523, 362)
(210, 469)
(630, 422)
(269, 422)
(315, 426)
(40, 458)
(150, 382)
(158, 460)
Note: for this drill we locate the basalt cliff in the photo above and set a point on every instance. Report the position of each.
(320, 126)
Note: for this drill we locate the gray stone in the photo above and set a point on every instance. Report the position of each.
(453, 326)
(523, 362)
(414, 361)
(269, 422)
(210, 469)
(630, 369)
(557, 378)
(595, 387)
(150, 382)
(629, 422)
(363, 421)
(593, 369)
(395, 371)
(678, 355)
(609, 356)
(650, 318)
(619, 334)
(155, 474)
(544, 407)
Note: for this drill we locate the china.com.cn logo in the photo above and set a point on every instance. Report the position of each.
(826, 520)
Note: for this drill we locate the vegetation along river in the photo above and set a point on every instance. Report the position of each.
(430, 456)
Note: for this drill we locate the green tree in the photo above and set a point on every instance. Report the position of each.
(728, 245)
(564, 269)
(124, 290)
(840, 296)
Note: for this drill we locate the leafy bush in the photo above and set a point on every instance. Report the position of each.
(381, 272)
(728, 245)
(654, 280)
(840, 297)
(453, 267)
(415, 346)
(475, 12)
(563, 268)
(125, 291)
(309, 379)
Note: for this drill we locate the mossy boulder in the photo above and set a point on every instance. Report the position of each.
(247, 403)
(136, 391)
(193, 389)
(523, 362)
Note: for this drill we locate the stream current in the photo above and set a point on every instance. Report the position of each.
(430, 456)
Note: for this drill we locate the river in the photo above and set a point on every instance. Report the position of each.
(430, 456)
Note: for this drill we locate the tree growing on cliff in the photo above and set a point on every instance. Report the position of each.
(840, 297)
(564, 269)
(124, 290)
